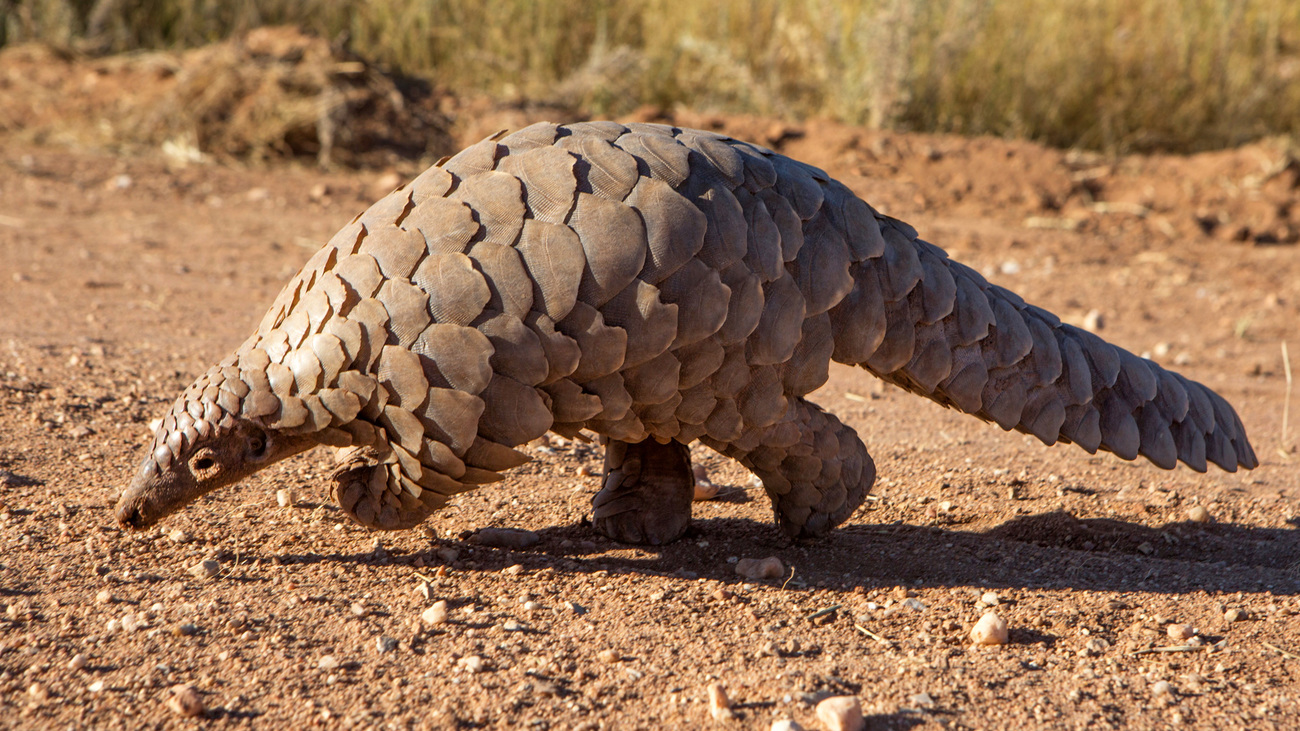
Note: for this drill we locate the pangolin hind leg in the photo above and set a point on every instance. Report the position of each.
(647, 492)
(814, 468)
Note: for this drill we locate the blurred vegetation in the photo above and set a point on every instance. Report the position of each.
(1116, 75)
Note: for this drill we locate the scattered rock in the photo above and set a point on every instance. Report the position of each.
(608, 657)
(358, 609)
(206, 569)
(471, 663)
(760, 568)
(185, 701)
(436, 614)
(38, 692)
(1180, 631)
(1094, 647)
(284, 498)
(506, 538)
(841, 713)
(913, 604)
(327, 662)
(447, 554)
(104, 597)
(786, 724)
(96, 687)
(719, 703)
(78, 662)
(989, 630)
(132, 622)
(1198, 514)
(384, 644)
(511, 625)
(990, 599)
(1234, 615)
(922, 700)
(1162, 688)
(176, 535)
(425, 589)
(1093, 321)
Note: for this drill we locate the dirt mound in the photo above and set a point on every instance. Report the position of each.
(271, 93)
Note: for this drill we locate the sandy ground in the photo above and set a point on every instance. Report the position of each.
(123, 277)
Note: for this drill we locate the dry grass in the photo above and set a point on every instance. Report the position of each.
(1105, 74)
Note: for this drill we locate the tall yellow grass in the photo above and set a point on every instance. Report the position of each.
(1105, 74)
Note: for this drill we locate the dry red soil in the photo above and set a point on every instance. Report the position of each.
(124, 277)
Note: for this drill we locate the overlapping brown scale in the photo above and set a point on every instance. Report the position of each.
(1044, 414)
(457, 292)
(508, 282)
(347, 239)
(858, 320)
(797, 185)
(1191, 445)
(787, 223)
(438, 456)
(899, 342)
(342, 403)
(613, 394)
(1009, 339)
(448, 225)
(1157, 441)
(759, 173)
(732, 374)
(931, 361)
(613, 241)
(781, 323)
(451, 417)
(570, 403)
(745, 305)
(538, 135)
(395, 250)
(361, 273)
(762, 401)
(725, 423)
(702, 301)
(562, 352)
(601, 348)
(650, 324)
(517, 414)
(339, 295)
(293, 413)
(497, 200)
(964, 385)
(479, 157)
(726, 237)
(660, 419)
(601, 129)
(547, 174)
(900, 266)
(601, 168)
(455, 357)
(330, 354)
(294, 328)
(372, 319)
(434, 182)
(697, 404)
(763, 253)
(408, 310)
(401, 374)
(316, 304)
(389, 210)
(699, 361)
(516, 350)
(1004, 397)
(319, 417)
(675, 229)
(658, 154)
(654, 381)
(306, 370)
(808, 367)
(822, 271)
(938, 287)
(720, 156)
(555, 261)
(1119, 430)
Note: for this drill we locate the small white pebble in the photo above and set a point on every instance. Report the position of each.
(608, 656)
(96, 686)
(1094, 321)
(531, 606)
(989, 630)
(384, 644)
(841, 713)
(760, 568)
(1162, 688)
(1198, 514)
(990, 599)
(1180, 631)
(436, 614)
(38, 692)
(132, 622)
(1234, 615)
(786, 724)
(511, 625)
(284, 498)
(104, 597)
(205, 570)
(327, 662)
(471, 663)
(176, 535)
(719, 703)
(78, 662)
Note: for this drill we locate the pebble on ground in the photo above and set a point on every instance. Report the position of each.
(990, 630)
(841, 713)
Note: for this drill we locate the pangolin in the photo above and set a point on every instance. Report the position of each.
(655, 286)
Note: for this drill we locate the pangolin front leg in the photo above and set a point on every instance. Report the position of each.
(647, 492)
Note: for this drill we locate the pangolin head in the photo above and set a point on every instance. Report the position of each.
(205, 442)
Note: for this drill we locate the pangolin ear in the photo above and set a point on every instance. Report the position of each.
(256, 444)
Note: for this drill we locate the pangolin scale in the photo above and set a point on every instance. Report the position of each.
(656, 286)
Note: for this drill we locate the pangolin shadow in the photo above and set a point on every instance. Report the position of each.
(1052, 550)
